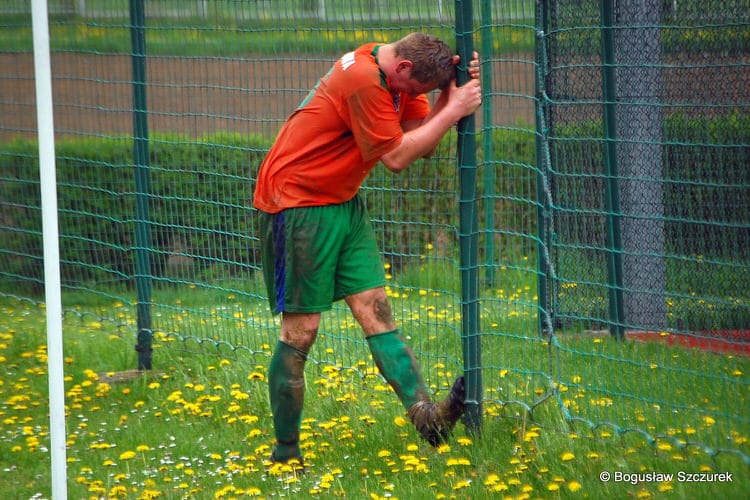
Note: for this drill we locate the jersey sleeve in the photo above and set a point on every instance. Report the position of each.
(375, 124)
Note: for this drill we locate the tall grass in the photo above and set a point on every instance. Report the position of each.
(199, 426)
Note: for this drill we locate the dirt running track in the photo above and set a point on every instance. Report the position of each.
(196, 96)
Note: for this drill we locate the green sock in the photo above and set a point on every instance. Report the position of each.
(397, 364)
(286, 386)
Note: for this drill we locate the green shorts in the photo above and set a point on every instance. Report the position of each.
(313, 256)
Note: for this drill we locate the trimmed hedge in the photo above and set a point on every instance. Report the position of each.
(201, 190)
(199, 205)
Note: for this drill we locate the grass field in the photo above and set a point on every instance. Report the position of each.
(199, 427)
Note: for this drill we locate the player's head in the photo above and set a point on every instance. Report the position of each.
(432, 59)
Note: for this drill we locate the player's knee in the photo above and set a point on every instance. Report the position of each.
(300, 330)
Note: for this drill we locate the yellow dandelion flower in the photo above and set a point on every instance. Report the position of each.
(574, 486)
(254, 433)
(530, 436)
(457, 461)
(709, 421)
(384, 453)
(118, 491)
(464, 483)
(500, 487)
(239, 395)
(567, 456)
(149, 494)
(491, 479)
(553, 487)
(400, 421)
(127, 455)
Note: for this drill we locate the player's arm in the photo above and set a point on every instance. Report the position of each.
(421, 141)
(410, 125)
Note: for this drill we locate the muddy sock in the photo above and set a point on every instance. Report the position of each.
(397, 364)
(286, 385)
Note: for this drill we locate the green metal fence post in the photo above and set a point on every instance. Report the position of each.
(543, 210)
(489, 155)
(614, 233)
(142, 184)
(468, 232)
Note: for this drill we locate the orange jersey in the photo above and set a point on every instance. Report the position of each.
(329, 145)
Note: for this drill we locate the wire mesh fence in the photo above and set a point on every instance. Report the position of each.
(611, 201)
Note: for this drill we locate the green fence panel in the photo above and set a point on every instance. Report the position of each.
(646, 107)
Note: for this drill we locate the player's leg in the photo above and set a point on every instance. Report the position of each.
(393, 357)
(398, 365)
(360, 280)
(299, 273)
(286, 382)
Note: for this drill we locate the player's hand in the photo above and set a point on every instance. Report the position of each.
(466, 98)
(473, 68)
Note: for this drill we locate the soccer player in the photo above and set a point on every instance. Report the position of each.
(318, 244)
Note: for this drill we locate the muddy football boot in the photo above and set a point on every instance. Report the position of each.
(286, 453)
(435, 421)
(282, 465)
